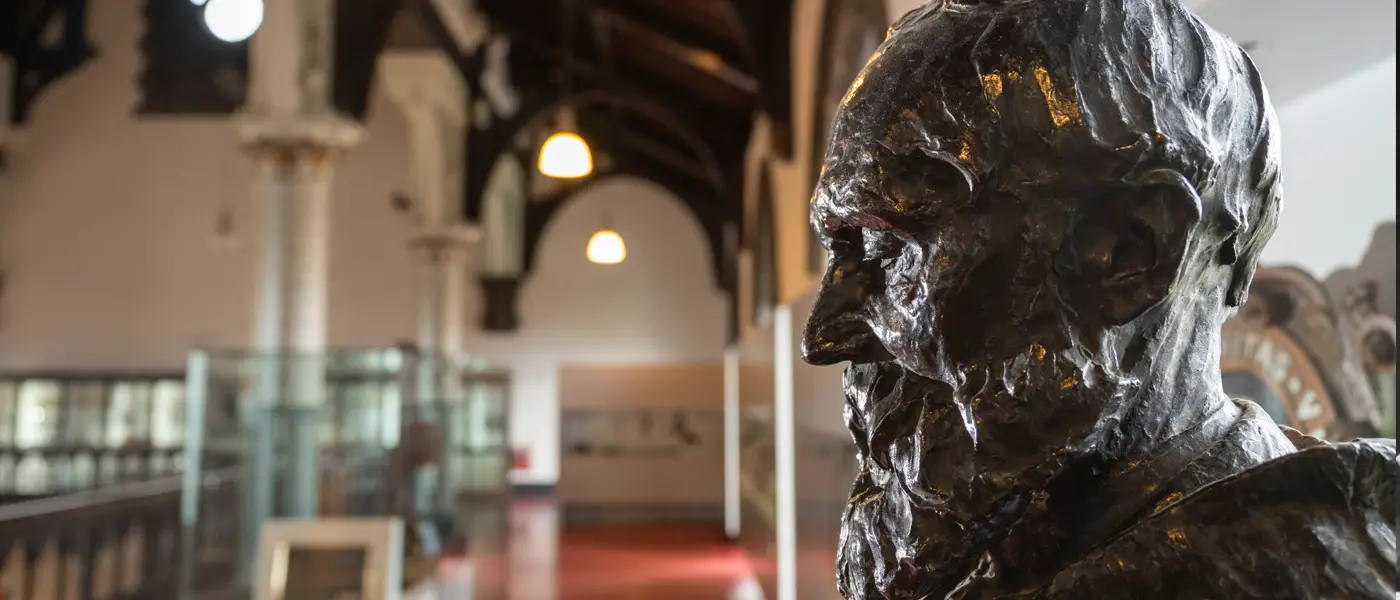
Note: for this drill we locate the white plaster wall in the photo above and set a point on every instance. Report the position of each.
(106, 237)
(1339, 171)
(106, 234)
(658, 306)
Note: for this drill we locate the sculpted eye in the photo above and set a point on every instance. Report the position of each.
(831, 227)
(925, 187)
(881, 245)
(949, 178)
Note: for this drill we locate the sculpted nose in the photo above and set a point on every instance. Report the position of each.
(835, 331)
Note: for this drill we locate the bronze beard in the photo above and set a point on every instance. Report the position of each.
(947, 471)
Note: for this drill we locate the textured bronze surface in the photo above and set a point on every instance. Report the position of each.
(1038, 216)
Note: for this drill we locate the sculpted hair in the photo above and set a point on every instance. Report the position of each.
(1157, 88)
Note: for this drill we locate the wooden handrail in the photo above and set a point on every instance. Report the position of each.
(20, 517)
(60, 472)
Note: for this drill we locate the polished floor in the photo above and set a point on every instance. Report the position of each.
(546, 561)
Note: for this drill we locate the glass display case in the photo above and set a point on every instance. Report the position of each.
(382, 431)
(61, 432)
(64, 431)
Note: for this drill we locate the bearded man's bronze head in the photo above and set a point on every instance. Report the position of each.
(1038, 214)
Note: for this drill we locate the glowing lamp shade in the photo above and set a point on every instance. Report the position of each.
(566, 156)
(233, 20)
(606, 248)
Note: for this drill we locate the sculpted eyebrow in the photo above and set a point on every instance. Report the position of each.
(932, 161)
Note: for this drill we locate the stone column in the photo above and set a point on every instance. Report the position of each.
(442, 274)
(427, 87)
(294, 136)
(734, 287)
(784, 451)
(733, 421)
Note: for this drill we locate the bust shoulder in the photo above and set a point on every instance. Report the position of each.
(1290, 528)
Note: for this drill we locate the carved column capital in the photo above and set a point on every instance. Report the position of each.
(445, 243)
(327, 134)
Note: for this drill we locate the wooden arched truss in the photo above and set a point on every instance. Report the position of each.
(666, 92)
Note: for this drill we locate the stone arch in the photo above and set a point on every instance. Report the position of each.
(703, 193)
(541, 212)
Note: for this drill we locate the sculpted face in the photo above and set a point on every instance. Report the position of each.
(1037, 215)
(970, 293)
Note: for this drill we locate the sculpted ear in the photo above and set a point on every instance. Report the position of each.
(1242, 272)
(1242, 253)
(1130, 250)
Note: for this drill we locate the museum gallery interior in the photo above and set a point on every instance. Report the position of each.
(697, 299)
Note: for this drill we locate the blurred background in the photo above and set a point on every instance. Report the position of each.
(527, 273)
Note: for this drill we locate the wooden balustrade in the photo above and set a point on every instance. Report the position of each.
(121, 542)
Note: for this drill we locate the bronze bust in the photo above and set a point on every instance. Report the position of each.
(1038, 215)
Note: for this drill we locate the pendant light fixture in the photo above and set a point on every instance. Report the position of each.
(606, 247)
(232, 20)
(565, 154)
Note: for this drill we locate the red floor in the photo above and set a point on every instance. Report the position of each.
(639, 562)
(614, 562)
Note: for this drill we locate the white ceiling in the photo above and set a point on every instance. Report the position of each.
(1302, 45)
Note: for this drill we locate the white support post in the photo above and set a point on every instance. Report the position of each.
(732, 493)
(427, 87)
(294, 136)
(785, 454)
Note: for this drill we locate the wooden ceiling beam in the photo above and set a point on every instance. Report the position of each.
(711, 115)
(362, 32)
(582, 60)
(711, 57)
(39, 61)
(714, 169)
(769, 29)
(622, 140)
